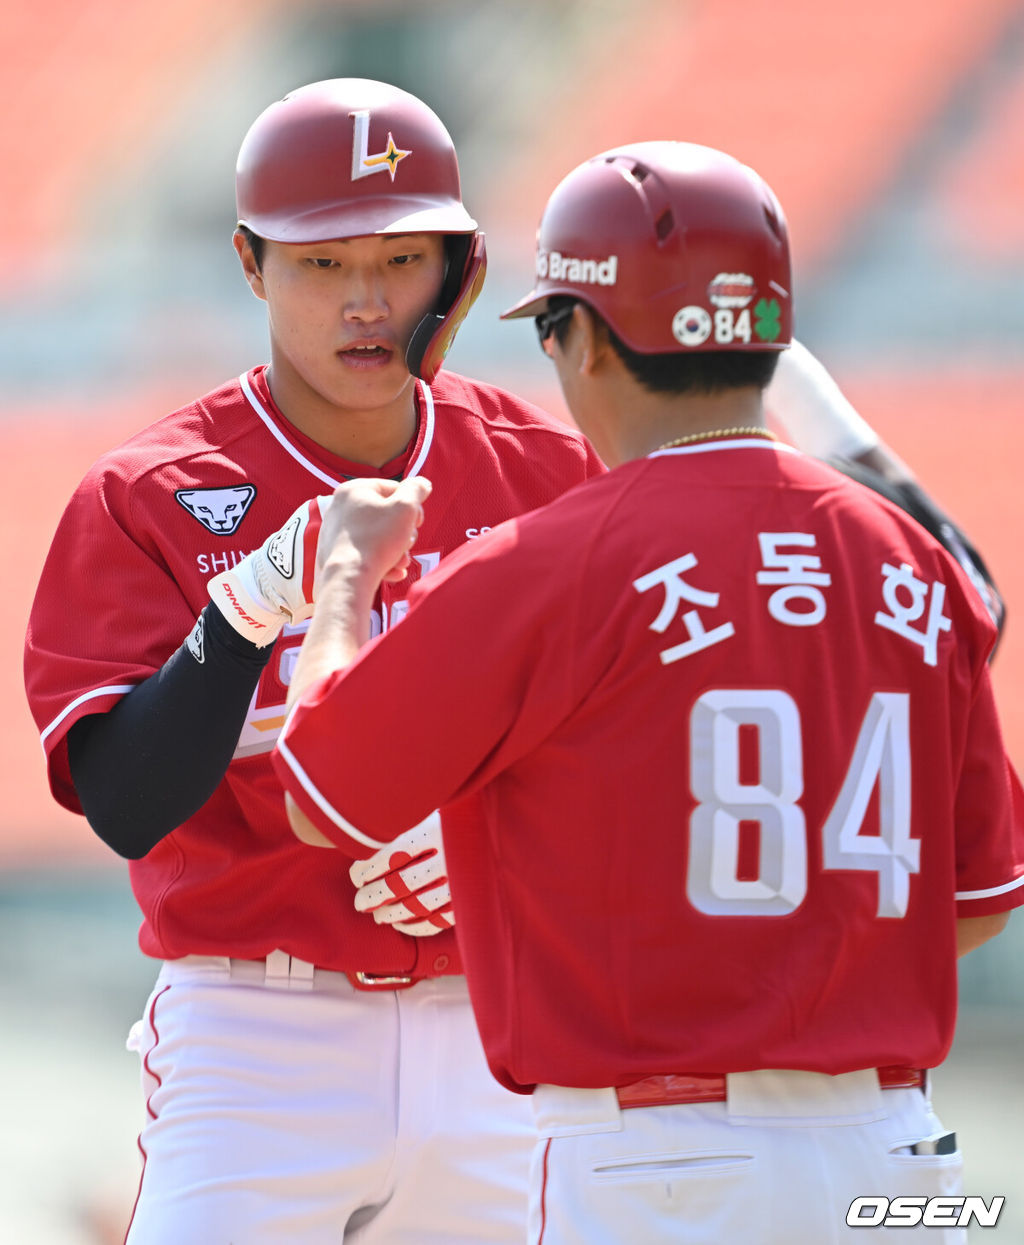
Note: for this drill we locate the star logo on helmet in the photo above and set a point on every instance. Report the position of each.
(390, 157)
(364, 164)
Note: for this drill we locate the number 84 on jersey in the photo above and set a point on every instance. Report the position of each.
(881, 757)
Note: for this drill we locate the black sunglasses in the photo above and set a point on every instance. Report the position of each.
(547, 320)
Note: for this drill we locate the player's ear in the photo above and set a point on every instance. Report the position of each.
(250, 264)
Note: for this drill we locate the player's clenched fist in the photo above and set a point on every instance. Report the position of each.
(406, 883)
(372, 525)
(273, 585)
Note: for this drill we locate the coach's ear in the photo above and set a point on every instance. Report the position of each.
(593, 343)
(249, 265)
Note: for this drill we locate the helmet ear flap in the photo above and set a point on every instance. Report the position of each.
(433, 336)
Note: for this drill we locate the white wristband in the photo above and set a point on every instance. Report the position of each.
(234, 595)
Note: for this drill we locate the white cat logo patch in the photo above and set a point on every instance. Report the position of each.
(218, 509)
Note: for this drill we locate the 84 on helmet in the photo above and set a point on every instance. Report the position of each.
(679, 247)
(348, 157)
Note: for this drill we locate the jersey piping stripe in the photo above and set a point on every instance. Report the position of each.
(312, 468)
(749, 443)
(279, 436)
(120, 689)
(428, 432)
(311, 790)
(993, 890)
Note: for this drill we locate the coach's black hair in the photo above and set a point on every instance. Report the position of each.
(709, 371)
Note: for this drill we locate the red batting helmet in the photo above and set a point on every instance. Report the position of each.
(678, 247)
(349, 157)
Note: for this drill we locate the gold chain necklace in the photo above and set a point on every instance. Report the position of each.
(718, 432)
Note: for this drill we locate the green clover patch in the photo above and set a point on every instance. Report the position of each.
(766, 323)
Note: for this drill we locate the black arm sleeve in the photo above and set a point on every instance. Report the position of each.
(157, 756)
(909, 496)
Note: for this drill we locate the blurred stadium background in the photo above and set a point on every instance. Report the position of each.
(893, 133)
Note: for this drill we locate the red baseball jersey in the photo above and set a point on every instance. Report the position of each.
(126, 577)
(719, 766)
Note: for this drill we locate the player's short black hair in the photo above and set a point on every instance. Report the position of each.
(256, 244)
(705, 371)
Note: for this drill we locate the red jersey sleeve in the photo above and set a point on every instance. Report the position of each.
(989, 832)
(106, 615)
(454, 714)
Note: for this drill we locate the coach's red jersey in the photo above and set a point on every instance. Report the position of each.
(720, 766)
(123, 584)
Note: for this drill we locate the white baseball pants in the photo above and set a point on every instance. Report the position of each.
(306, 1112)
(779, 1163)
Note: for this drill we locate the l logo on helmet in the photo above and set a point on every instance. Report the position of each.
(363, 164)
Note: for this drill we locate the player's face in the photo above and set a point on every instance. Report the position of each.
(341, 314)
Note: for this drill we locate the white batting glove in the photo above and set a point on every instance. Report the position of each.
(405, 884)
(273, 585)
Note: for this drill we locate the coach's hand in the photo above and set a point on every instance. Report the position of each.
(405, 884)
(372, 526)
(274, 584)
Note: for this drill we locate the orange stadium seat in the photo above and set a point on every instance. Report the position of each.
(822, 99)
(84, 84)
(983, 192)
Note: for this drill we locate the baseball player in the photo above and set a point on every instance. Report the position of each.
(308, 1072)
(722, 782)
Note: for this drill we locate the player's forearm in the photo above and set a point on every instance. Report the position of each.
(365, 540)
(341, 624)
(339, 628)
(157, 757)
